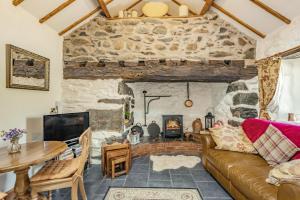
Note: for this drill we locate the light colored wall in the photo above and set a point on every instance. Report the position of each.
(23, 30)
(205, 96)
(285, 38)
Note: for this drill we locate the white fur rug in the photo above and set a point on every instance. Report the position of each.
(164, 162)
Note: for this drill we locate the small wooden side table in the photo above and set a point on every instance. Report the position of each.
(112, 151)
(119, 161)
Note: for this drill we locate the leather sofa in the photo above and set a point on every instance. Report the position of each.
(243, 175)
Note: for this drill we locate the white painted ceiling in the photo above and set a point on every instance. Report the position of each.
(244, 9)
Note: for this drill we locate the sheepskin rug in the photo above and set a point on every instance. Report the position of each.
(164, 162)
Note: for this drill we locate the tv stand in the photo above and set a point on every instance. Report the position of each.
(72, 142)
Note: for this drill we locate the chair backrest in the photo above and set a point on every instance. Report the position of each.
(84, 141)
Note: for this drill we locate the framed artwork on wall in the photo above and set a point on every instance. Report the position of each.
(26, 70)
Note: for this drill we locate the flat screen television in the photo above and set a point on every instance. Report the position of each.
(64, 127)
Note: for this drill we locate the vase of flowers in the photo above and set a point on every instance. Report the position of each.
(13, 135)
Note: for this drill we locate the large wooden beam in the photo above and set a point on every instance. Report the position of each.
(206, 7)
(80, 20)
(238, 20)
(271, 11)
(157, 70)
(56, 10)
(179, 4)
(17, 2)
(104, 8)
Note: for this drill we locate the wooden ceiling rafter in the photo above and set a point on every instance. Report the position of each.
(56, 10)
(104, 8)
(206, 7)
(17, 2)
(238, 20)
(133, 5)
(83, 18)
(179, 4)
(271, 11)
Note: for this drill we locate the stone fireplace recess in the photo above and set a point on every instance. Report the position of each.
(172, 126)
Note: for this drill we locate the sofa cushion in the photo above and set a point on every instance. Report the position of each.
(254, 128)
(275, 147)
(285, 172)
(224, 160)
(232, 138)
(250, 180)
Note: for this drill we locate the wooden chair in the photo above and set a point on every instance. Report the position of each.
(47, 180)
(2, 195)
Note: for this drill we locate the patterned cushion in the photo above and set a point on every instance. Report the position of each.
(288, 171)
(56, 169)
(232, 139)
(274, 147)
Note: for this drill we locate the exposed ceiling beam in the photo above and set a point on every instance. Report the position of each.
(80, 20)
(206, 7)
(56, 10)
(104, 8)
(17, 2)
(179, 4)
(83, 18)
(133, 5)
(271, 11)
(238, 20)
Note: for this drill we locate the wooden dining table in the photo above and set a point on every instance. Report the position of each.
(31, 154)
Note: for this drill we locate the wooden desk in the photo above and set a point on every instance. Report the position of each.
(31, 154)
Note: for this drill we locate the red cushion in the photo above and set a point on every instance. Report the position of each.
(254, 128)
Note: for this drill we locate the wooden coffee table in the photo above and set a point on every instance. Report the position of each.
(31, 154)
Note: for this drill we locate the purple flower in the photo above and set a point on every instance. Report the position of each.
(12, 134)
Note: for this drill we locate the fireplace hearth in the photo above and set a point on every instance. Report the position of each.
(172, 126)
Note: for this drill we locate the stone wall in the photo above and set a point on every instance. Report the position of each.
(208, 43)
(207, 37)
(240, 102)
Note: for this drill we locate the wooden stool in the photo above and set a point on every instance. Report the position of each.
(118, 161)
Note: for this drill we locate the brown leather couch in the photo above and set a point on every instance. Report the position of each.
(243, 175)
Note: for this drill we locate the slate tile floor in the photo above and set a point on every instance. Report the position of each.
(142, 175)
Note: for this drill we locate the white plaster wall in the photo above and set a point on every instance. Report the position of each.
(280, 40)
(205, 97)
(81, 95)
(23, 30)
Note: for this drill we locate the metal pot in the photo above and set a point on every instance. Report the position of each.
(137, 128)
(153, 130)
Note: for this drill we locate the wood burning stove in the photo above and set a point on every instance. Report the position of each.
(172, 126)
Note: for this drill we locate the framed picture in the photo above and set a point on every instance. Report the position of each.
(26, 70)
